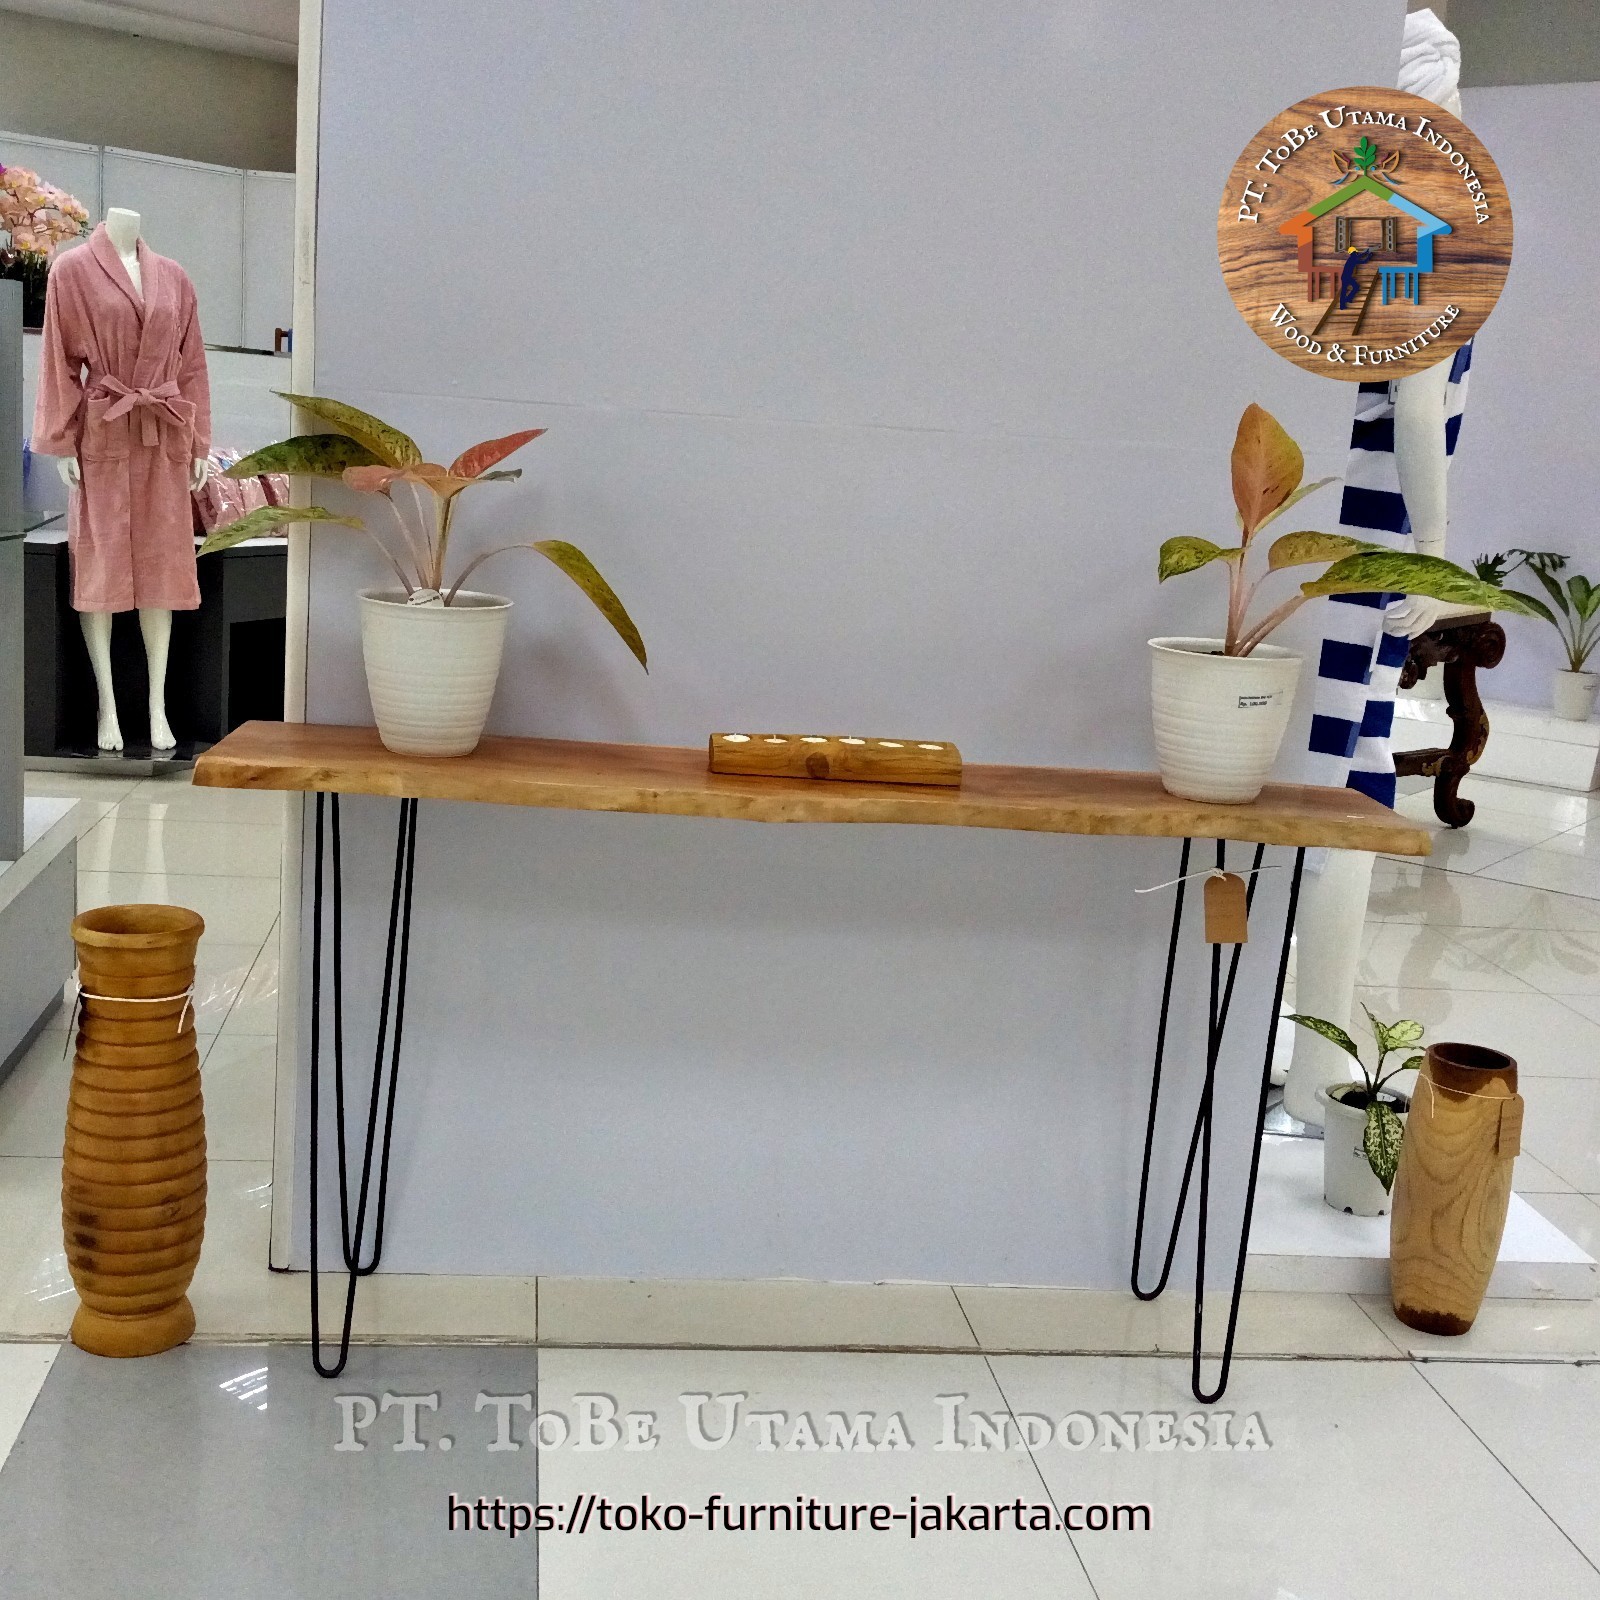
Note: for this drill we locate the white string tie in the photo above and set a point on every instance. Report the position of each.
(1209, 872)
(80, 994)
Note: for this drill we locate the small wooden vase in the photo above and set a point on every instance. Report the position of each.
(1453, 1187)
(133, 1172)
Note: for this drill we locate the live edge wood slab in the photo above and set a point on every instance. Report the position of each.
(571, 776)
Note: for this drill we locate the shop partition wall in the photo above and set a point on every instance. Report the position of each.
(1527, 472)
(879, 348)
(232, 229)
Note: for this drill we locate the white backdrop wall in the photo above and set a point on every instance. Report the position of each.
(1527, 471)
(879, 348)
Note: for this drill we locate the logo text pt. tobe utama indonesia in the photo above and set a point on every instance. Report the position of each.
(1364, 229)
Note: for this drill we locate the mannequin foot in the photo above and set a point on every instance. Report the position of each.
(160, 733)
(109, 735)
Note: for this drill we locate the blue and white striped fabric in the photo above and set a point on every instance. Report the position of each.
(1358, 672)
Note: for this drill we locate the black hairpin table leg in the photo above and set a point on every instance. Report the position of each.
(1219, 1003)
(392, 1003)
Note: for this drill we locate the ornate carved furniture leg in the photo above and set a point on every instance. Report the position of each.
(1461, 645)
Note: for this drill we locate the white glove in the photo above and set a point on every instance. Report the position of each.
(72, 473)
(1414, 614)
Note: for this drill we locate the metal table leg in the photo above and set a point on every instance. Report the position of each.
(393, 998)
(1220, 1001)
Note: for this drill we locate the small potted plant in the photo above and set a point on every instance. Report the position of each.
(1576, 618)
(1364, 1119)
(432, 648)
(1221, 705)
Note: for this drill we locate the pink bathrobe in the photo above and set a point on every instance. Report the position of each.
(122, 386)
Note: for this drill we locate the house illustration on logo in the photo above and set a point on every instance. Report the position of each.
(1357, 239)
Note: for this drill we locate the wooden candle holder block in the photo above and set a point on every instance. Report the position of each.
(842, 757)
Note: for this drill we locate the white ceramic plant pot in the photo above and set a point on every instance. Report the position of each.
(1572, 695)
(1219, 719)
(432, 669)
(1348, 1181)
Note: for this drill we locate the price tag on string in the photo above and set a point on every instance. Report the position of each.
(1226, 910)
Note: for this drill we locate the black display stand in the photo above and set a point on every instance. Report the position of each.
(225, 665)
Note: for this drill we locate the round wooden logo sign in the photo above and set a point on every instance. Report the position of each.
(1365, 234)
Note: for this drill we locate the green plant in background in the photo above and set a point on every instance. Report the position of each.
(1577, 602)
(1267, 466)
(1384, 1130)
(377, 459)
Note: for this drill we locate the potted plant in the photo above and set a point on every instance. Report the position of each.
(1576, 618)
(1221, 705)
(1364, 1119)
(432, 647)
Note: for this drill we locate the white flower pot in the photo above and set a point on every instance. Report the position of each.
(1219, 720)
(1348, 1181)
(432, 669)
(1572, 695)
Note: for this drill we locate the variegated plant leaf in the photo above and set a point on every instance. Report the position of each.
(1303, 549)
(1381, 1139)
(1291, 502)
(1398, 572)
(387, 443)
(1331, 1031)
(583, 572)
(314, 455)
(1266, 466)
(1397, 1035)
(475, 462)
(265, 520)
(1186, 553)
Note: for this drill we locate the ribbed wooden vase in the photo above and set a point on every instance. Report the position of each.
(133, 1173)
(1453, 1187)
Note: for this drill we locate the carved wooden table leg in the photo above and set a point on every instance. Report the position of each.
(1461, 645)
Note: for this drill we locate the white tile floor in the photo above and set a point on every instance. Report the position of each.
(1498, 941)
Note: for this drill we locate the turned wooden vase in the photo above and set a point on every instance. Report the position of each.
(1453, 1187)
(133, 1171)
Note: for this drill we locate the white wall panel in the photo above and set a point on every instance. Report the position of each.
(1526, 471)
(879, 346)
(268, 256)
(195, 215)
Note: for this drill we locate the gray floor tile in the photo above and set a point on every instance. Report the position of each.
(212, 1472)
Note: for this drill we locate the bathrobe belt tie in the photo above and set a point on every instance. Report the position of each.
(148, 401)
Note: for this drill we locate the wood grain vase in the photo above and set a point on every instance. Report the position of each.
(1453, 1187)
(133, 1172)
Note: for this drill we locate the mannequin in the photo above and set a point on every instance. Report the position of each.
(1333, 905)
(148, 527)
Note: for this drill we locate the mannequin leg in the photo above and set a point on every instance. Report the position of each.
(156, 627)
(96, 627)
(1333, 911)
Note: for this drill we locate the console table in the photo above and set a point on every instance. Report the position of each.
(566, 775)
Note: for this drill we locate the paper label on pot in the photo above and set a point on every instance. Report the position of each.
(1255, 702)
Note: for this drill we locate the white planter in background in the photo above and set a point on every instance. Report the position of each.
(1219, 720)
(1572, 695)
(432, 669)
(1348, 1181)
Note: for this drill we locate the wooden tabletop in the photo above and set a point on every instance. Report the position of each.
(664, 780)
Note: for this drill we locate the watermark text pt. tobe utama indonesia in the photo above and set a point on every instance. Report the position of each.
(504, 1423)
